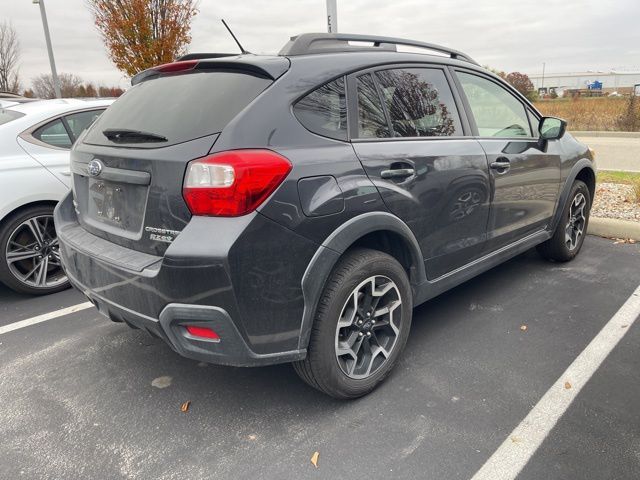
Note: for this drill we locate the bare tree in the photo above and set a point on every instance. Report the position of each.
(69, 85)
(9, 56)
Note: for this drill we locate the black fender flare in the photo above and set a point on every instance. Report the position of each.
(566, 189)
(332, 248)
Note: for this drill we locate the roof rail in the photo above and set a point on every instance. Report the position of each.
(308, 43)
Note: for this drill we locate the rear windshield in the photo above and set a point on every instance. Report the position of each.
(7, 115)
(177, 107)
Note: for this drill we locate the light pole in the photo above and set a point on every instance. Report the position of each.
(47, 37)
(332, 16)
(543, 67)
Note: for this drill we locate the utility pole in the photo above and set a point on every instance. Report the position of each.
(332, 16)
(47, 37)
(543, 67)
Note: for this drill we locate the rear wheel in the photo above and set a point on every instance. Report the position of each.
(572, 228)
(361, 325)
(29, 255)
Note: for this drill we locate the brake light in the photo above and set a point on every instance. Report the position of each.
(176, 66)
(202, 332)
(233, 183)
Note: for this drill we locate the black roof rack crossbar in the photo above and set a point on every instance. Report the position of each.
(308, 43)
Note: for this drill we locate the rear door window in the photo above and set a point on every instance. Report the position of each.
(80, 121)
(324, 111)
(372, 121)
(419, 102)
(54, 133)
(178, 107)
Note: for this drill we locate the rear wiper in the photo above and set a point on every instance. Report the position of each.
(131, 136)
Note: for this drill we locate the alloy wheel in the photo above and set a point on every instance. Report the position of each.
(576, 222)
(32, 253)
(368, 327)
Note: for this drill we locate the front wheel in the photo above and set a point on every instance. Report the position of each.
(29, 253)
(361, 325)
(569, 236)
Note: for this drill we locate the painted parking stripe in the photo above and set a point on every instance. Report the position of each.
(44, 317)
(514, 453)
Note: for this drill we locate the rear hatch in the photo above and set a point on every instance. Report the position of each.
(128, 169)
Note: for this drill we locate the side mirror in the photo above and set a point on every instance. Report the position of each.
(551, 128)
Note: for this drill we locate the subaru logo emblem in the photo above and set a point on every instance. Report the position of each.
(94, 168)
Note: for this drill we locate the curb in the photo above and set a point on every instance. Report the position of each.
(614, 228)
(585, 133)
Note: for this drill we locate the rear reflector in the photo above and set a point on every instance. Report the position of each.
(202, 332)
(233, 183)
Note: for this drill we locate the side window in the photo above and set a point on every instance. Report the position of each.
(535, 122)
(324, 111)
(54, 134)
(80, 121)
(419, 102)
(372, 122)
(496, 111)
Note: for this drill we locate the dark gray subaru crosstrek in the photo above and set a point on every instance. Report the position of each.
(251, 210)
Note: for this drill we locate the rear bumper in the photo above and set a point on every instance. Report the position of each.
(187, 285)
(230, 350)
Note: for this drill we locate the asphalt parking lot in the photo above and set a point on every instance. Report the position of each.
(77, 398)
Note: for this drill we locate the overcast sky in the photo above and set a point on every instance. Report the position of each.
(516, 35)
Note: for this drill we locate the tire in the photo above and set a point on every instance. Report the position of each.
(18, 235)
(355, 278)
(563, 246)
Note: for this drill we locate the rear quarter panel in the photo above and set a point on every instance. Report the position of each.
(25, 181)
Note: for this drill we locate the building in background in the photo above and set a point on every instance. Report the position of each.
(614, 81)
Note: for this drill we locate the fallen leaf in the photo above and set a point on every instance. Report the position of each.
(523, 328)
(567, 385)
(185, 406)
(252, 437)
(314, 459)
(161, 382)
(516, 439)
(624, 326)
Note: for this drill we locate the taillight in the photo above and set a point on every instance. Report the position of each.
(233, 183)
(176, 66)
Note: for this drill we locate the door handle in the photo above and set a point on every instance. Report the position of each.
(398, 173)
(501, 165)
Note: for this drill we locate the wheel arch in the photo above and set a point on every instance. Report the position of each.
(377, 230)
(582, 170)
(16, 211)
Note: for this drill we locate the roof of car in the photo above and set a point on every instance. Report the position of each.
(60, 105)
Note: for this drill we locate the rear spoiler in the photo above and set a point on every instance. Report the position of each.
(265, 66)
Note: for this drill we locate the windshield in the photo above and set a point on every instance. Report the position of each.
(172, 109)
(7, 115)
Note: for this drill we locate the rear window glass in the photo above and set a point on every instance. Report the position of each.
(7, 115)
(179, 107)
(324, 111)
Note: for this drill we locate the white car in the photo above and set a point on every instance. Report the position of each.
(35, 139)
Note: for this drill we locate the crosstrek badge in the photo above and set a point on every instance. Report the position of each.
(161, 234)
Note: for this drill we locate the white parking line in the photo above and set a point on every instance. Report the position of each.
(44, 317)
(514, 453)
